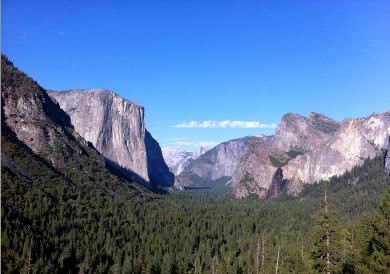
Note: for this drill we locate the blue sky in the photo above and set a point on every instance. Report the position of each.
(210, 60)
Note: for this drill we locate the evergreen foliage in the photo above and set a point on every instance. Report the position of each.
(326, 241)
(378, 250)
(73, 227)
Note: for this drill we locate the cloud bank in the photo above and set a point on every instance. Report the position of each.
(224, 124)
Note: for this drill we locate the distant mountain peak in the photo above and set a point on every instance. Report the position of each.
(176, 158)
(216, 166)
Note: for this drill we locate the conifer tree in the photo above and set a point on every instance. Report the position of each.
(379, 245)
(325, 251)
(29, 267)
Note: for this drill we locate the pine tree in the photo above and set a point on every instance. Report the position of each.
(260, 254)
(257, 257)
(29, 267)
(277, 262)
(325, 251)
(379, 244)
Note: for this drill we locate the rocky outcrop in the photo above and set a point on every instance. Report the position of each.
(300, 134)
(30, 114)
(354, 141)
(305, 150)
(116, 127)
(296, 135)
(257, 168)
(216, 166)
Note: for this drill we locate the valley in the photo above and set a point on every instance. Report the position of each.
(195, 137)
(85, 189)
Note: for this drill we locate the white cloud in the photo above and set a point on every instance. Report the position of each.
(224, 124)
(24, 36)
(182, 143)
(178, 139)
(208, 144)
(61, 33)
(188, 144)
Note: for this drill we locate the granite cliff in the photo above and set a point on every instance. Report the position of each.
(309, 149)
(354, 141)
(116, 127)
(40, 147)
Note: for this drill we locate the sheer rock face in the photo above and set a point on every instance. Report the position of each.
(310, 149)
(216, 164)
(354, 141)
(255, 171)
(116, 128)
(296, 132)
(158, 170)
(295, 135)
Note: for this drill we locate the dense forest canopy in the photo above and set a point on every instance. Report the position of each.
(52, 225)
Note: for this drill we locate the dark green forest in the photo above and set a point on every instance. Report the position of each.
(51, 224)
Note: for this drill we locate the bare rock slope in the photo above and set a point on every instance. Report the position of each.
(116, 127)
(305, 150)
(260, 171)
(354, 141)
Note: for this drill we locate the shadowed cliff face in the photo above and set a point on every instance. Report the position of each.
(158, 170)
(278, 185)
(310, 149)
(116, 127)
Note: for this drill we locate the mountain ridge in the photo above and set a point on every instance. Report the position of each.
(319, 154)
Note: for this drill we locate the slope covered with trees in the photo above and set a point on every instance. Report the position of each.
(51, 225)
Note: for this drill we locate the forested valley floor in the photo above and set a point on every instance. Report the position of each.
(52, 226)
